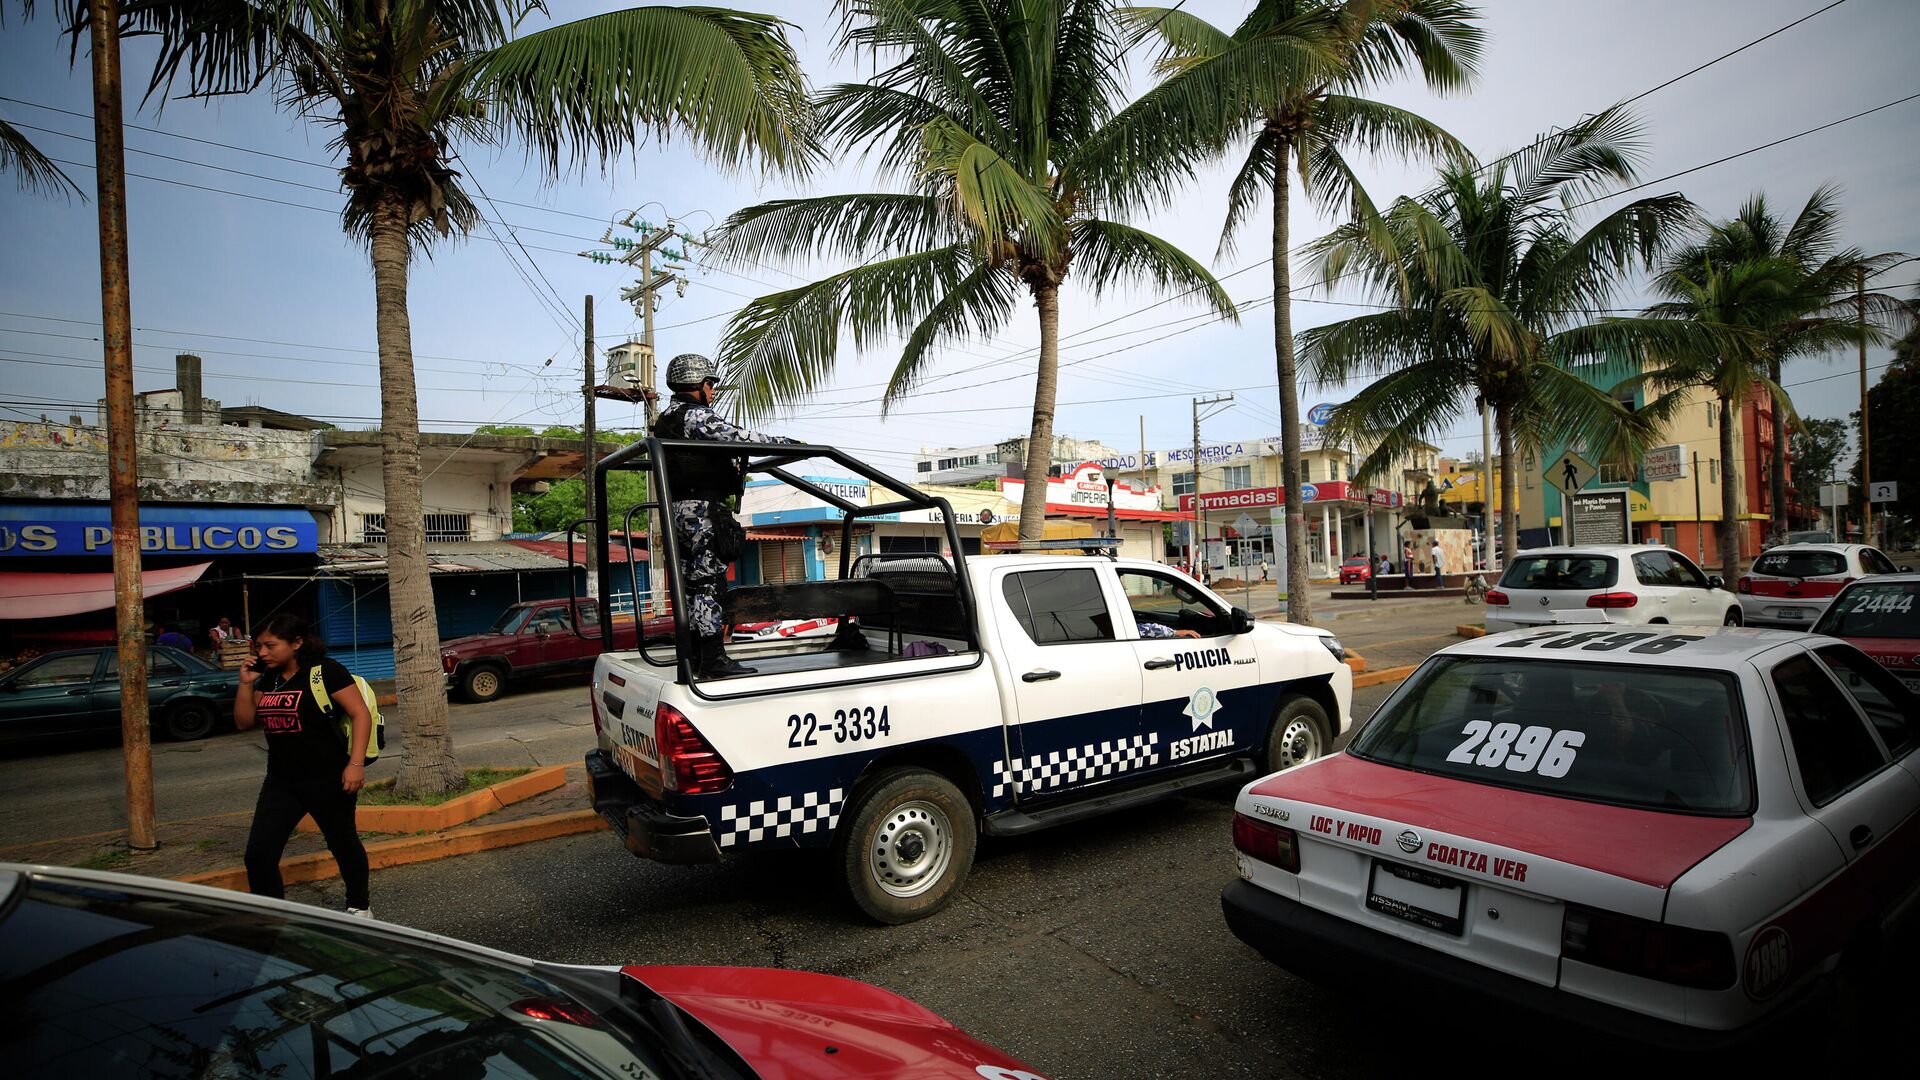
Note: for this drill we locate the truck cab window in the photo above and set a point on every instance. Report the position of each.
(1057, 606)
(1165, 599)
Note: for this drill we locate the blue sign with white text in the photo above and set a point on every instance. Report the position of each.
(27, 529)
(1321, 414)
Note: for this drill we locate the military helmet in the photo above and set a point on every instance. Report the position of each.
(688, 370)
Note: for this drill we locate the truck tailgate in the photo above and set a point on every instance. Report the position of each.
(628, 699)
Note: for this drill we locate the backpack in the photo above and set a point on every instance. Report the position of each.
(377, 741)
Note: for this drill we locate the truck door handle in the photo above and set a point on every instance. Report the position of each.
(1156, 665)
(1862, 835)
(1039, 675)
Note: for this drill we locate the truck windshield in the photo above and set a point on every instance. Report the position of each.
(1653, 738)
(510, 621)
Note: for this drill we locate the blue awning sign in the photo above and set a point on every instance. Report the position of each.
(27, 530)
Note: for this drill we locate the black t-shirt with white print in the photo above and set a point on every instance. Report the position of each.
(303, 743)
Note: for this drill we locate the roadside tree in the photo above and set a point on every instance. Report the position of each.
(1002, 124)
(405, 83)
(1304, 114)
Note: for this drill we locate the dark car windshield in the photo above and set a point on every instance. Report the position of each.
(1584, 572)
(1800, 564)
(1874, 609)
(103, 982)
(510, 621)
(1658, 738)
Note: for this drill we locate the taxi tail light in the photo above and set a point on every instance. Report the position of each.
(1275, 845)
(1746, 584)
(1612, 600)
(1671, 954)
(558, 1010)
(688, 762)
(1497, 598)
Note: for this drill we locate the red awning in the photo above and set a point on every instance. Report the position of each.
(49, 596)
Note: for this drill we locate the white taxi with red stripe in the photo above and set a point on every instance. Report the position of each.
(1792, 585)
(1665, 834)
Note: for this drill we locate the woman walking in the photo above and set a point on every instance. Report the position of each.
(315, 764)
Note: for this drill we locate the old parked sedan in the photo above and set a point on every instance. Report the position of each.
(78, 690)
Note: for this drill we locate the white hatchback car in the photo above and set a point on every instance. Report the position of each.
(1792, 585)
(1670, 837)
(1616, 584)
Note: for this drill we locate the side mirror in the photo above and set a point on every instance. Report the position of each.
(1242, 621)
(1715, 581)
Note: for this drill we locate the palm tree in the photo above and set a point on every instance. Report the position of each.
(1490, 292)
(1822, 293)
(1774, 294)
(1306, 117)
(998, 117)
(34, 171)
(405, 82)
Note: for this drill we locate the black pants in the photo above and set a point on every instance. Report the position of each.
(281, 806)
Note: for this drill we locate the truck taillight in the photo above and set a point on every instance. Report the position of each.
(448, 662)
(688, 763)
(1672, 954)
(1497, 598)
(1612, 600)
(1275, 845)
(593, 698)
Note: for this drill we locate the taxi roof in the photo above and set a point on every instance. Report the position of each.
(1717, 647)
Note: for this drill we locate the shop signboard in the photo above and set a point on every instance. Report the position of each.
(28, 529)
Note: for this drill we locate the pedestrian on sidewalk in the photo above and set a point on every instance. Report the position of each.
(1437, 570)
(1406, 561)
(1263, 569)
(313, 765)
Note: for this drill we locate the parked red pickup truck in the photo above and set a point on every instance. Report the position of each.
(535, 637)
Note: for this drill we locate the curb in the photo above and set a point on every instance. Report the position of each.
(412, 819)
(1356, 662)
(1470, 631)
(320, 866)
(1383, 676)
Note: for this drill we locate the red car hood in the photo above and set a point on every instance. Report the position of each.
(796, 1025)
(1647, 846)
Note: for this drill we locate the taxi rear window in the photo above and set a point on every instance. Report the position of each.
(1581, 572)
(1875, 609)
(1802, 564)
(1655, 738)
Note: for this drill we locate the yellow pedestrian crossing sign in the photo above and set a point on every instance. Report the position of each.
(1570, 472)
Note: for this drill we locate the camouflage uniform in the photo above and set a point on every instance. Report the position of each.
(703, 567)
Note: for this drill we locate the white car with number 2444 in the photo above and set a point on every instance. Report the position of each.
(1668, 835)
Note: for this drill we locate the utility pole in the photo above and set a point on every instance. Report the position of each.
(1699, 526)
(1866, 455)
(1199, 549)
(593, 456)
(123, 452)
(1486, 482)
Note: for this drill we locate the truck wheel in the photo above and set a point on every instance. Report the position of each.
(188, 721)
(1299, 733)
(482, 682)
(907, 846)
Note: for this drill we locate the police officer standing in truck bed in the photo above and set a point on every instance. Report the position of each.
(705, 528)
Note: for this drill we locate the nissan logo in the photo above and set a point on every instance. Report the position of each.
(1409, 841)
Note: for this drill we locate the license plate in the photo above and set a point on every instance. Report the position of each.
(1790, 613)
(1418, 896)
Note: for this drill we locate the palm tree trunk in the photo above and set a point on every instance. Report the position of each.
(1033, 500)
(426, 765)
(1778, 480)
(1299, 587)
(1729, 495)
(1509, 486)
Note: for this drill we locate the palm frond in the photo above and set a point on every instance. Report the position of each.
(978, 306)
(853, 227)
(1108, 253)
(728, 81)
(33, 170)
(1177, 36)
(781, 347)
(991, 192)
(1579, 161)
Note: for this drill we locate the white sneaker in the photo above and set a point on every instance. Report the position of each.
(360, 912)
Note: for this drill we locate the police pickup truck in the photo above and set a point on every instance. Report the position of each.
(929, 719)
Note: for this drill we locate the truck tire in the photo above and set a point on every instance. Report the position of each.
(1299, 733)
(188, 721)
(906, 846)
(482, 682)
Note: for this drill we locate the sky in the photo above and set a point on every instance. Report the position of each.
(238, 256)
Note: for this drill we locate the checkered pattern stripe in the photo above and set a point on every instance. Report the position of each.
(1075, 765)
(815, 811)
